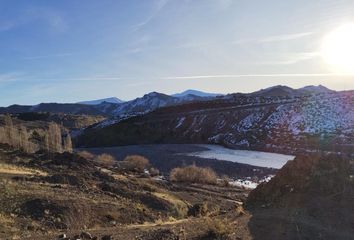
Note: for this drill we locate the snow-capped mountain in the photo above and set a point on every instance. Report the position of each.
(99, 101)
(147, 103)
(195, 93)
(305, 121)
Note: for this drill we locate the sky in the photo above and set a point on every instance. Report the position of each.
(74, 50)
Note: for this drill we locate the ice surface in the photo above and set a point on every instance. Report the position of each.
(255, 158)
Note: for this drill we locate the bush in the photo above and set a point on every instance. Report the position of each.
(154, 172)
(106, 159)
(87, 155)
(136, 163)
(193, 174)
(224, 181)
(198, 210)
(219, 229)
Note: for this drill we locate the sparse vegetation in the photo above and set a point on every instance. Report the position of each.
(29, 140)
(198, 210)
(106, 159)
(154, 172)
(18, 170)
(219, 229)
(136, 163)
(87, 155)
(193, 174)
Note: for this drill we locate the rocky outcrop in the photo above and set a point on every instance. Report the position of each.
(311, 196)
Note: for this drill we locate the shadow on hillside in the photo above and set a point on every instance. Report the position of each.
(270, 224)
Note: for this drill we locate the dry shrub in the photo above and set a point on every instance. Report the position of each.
(136, 163)
(87, 155)
(154, 172)
(106, 159)
(198, 210)
(220, 229)
(193, 174)
(224, 181)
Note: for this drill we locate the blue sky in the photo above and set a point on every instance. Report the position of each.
(68, 51)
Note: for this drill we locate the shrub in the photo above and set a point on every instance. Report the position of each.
(219, 229)
(154, 172)
(87, 155)
(193, 174)
(224, 181)
(106, 159)
(198, 210)
(136, 163)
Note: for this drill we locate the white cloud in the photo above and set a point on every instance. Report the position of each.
(286, 37)
(289, 58)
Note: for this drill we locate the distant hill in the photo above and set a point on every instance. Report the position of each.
(116, 110)
(195, 93)
(270, 121)
(99, 101)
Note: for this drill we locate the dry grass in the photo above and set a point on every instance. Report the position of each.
(193, 174)
(136, 162)
(180, 207)
(106, 159)
(17, 170)
(87, 155)
(219, 228)
(6, 220)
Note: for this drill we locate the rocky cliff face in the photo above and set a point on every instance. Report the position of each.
(310, 196)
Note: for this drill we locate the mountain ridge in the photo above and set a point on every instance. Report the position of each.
(99, 101)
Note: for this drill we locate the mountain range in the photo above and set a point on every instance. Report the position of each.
(270, 119)
(114, 107)
(104, 100)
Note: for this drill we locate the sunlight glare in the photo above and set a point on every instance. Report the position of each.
(338, 48)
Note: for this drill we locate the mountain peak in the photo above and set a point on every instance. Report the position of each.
(316, 89)
(99, 101)
(195, 93)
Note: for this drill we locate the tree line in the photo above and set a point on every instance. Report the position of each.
(51, 139)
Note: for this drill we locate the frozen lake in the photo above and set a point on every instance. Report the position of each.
(255, 158)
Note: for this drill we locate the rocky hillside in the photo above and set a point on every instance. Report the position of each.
(320, 120)
(69, 121)
(311, 196)
(66, 195)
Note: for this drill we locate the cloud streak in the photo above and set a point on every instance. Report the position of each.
(10, 77)
(261, 75)
(52, 18)
(159, 5)
(58, 55)
(285, 37)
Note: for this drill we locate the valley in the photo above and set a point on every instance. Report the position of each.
(176, 120)
(255, 166)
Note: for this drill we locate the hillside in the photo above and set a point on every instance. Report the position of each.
(45, 196)
(282, 123)
(310, 197)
